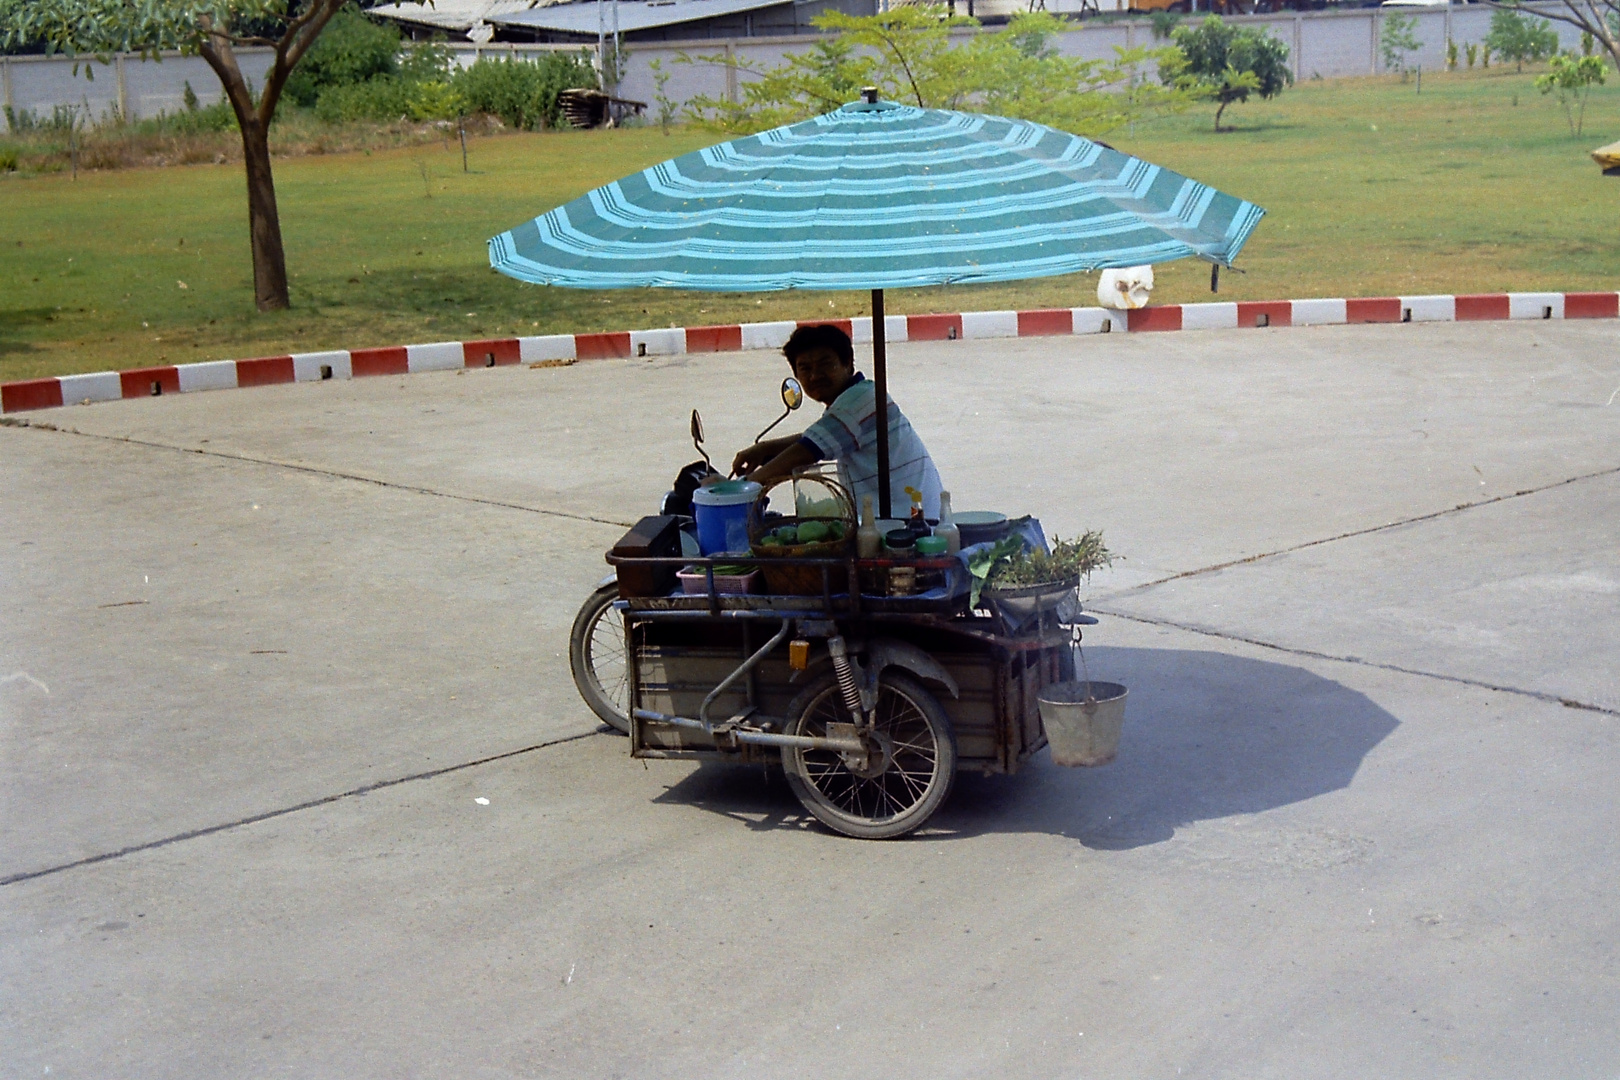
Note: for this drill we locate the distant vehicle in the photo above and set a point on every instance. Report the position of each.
(1420, 3)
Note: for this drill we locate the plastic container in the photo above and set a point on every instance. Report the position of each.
(947, 529)
(721, 511)
(1083, 721)
(695, 581)
(931, 546)
(868, 541)
(902, 542)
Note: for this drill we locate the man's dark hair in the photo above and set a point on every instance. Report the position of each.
(822, 336)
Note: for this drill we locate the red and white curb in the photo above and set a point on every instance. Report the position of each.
(967, 326)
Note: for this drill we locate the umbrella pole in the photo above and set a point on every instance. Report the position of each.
(880, 375)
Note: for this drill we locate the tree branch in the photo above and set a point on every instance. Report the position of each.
(214, 46)
(300, 35)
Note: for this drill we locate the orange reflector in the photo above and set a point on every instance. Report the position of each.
(798, 654)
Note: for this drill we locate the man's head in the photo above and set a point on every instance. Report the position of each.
(823, 361)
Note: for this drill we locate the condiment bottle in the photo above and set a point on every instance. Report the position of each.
(868, 541)
(918, 523)
(947, 525)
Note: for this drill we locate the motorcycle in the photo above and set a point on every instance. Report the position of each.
(596, 647)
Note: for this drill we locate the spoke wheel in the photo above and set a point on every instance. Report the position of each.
(905, 775)
(596, 655)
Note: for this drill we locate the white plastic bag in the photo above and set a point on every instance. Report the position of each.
(1127, 289)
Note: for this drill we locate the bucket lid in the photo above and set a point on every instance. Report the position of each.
(727, 493)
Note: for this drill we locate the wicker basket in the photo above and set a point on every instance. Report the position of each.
(802, 580)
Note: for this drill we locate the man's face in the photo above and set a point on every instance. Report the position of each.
(822, 373)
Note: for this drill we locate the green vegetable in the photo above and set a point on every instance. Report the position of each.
(1011, 565)
(813, 532)
(770, 541)
(788, 534)
(835, 530)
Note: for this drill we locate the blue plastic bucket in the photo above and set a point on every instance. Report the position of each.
(722, 516)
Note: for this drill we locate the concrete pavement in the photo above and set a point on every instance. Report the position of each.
(1362, 822)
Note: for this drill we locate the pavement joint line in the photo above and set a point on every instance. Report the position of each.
(314, 470)
(1538, 695)
(309, 804)
(1458, 509)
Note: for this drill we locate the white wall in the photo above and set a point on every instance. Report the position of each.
(1329, 44)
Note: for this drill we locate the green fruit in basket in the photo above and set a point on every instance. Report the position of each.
(788, 534)
(835, 530)
(770, 540)
(813, 532)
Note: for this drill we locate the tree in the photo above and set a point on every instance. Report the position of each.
(907, 53)
(1600, 18)
(1514, 37)
(1226, 63)
(211, 29)
(1572, 78)
(1398, 38)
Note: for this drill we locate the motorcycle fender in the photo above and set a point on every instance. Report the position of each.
(611, 579)
(886, 652)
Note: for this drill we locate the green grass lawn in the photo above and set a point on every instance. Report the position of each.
(1372, 189)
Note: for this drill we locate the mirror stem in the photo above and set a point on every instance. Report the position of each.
(761, 436)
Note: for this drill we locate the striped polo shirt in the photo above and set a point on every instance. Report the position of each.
(847, 432)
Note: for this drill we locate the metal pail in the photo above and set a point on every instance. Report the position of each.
(1083, 728)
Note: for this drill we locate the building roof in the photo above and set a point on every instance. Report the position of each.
(459, 15)
(580, 17)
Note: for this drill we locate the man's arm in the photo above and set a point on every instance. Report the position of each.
(780, 467)
(761, 453)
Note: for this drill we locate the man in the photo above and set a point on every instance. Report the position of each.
(823, 360)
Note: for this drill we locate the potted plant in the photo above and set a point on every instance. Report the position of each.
(1016, 581)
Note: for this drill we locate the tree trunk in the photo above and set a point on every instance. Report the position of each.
(264, 223)
(1218, 115)
(253, 117)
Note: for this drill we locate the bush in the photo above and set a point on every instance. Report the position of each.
(1517, 38)
(434, 101)
(27, 120)
(523, 93)
(9, 159)
(385, 98)
(351, 50)
(194, 120)
(1227, 63)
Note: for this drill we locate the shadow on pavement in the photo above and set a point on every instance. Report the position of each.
(1207, 736)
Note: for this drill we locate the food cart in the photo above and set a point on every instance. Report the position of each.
(872, 701)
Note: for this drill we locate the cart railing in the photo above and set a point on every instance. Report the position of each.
(846, 569)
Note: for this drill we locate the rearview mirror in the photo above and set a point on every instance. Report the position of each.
(792, 393)
(697, 438)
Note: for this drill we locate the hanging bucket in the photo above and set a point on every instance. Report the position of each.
(1082, 721)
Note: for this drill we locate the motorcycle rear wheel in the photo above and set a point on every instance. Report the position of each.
(901, 788)
(596, 654)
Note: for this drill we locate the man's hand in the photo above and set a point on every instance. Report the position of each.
(751, 458)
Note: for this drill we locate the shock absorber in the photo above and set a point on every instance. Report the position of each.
(846, 678)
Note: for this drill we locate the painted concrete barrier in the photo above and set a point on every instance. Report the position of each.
(675, 341)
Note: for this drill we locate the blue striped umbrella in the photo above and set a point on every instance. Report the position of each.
(878, 195)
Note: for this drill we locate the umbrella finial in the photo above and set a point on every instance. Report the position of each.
(870, 94)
